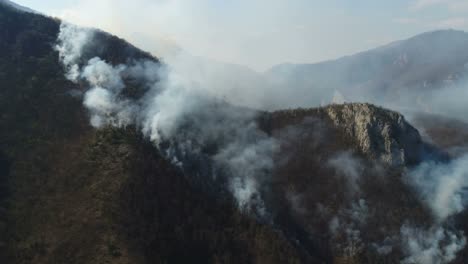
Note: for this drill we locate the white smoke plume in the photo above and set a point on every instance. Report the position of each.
(102, 100)
(177, 110)
(247, 163)
(71, 50)
(433, 246)
(443, 189)
(442, 186)
(449, 100)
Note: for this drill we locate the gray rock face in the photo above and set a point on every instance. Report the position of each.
(382, 135)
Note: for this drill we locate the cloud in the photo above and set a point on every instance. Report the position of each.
(453, 6)
(452, 23)
(419, 4)
(454, 17)
(459, 6)
(406, 20)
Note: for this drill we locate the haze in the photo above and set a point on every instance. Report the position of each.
(260, 33)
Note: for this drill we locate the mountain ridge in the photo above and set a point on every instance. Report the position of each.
(392, 75)
(392, 44)
(17, 7)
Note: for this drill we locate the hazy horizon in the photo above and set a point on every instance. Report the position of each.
(282, 32)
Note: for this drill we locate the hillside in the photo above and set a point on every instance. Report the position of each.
(336, 191)
(116, 164)
(72, 194)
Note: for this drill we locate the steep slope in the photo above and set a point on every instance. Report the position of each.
(341, 197)
(76, 195)
(112, 198)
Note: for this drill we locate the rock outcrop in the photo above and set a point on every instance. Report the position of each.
(381, 134)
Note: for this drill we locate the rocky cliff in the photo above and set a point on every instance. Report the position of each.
(381, 134)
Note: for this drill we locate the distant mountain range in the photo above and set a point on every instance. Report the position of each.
(409, 75)
(387, 74)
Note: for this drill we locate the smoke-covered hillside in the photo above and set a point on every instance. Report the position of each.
(72, 194)
(426, 73)
(109, 155)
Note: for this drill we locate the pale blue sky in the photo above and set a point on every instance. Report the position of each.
(261, 33)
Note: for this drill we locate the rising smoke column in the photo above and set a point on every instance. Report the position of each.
(71, 50)
(435, 245)
(175, 111)
(442, 187)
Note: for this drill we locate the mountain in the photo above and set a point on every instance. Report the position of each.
(412, 75)
(84, 180)
(395, 74)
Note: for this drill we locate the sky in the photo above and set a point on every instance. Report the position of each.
(260, 33)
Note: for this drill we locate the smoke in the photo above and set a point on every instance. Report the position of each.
(184, 113)
(442, 186)
(443, 189)
(386, 76)
(348, 166)
(238, 85)
(433, 246)
(403, 76)
(173, 30)
(345, 228)
(247, 163)
(448, 100)
(70, 51)
(176, 112)
(102, 100)
(385, 247)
